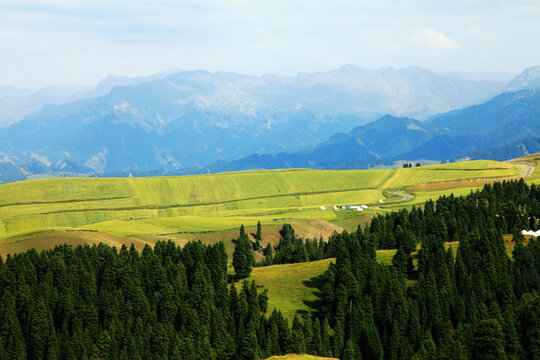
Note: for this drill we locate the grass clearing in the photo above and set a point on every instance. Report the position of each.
(385, 256)
(294, 288)
(291, 287)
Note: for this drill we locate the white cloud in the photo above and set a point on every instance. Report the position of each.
(477, 32)
(46, 42)
(429, 39)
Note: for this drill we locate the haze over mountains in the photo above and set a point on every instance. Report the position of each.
(190, 119)
(506, 126)
(15, 103)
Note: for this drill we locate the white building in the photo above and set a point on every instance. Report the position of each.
(531, 233)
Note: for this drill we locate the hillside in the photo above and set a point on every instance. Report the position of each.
(149, 209)
(370, 144)
(169, 286)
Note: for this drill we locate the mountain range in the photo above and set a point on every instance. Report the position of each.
(504, 127)
(183, 121)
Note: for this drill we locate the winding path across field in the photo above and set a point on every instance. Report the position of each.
(405, 197)
(529, 170)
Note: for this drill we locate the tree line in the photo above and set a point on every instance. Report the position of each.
(511, 205)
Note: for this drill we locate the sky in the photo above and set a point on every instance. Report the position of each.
(53, 42)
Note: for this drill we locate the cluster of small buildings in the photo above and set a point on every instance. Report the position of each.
(531, 233)
(357, 207)
(350, 207)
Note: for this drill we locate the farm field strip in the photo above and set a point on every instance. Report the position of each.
(313, 197)
(62, 201)
(432, 174)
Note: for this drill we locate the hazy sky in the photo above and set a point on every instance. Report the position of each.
(44, 42)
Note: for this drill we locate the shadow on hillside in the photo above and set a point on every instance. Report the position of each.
(316, 284)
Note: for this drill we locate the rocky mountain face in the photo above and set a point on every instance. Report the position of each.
(16, 104)
(528, 79)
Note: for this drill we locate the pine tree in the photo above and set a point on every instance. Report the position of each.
(298, 343)
(326, 348)
(428, 350)
(39, 330)
(272, 337)
(242, 256)
(529, 316)
(258, 237)
(350, 353)
(488, 341)
(263, 300)
(249, 347)
(400, 261)
(10, 331)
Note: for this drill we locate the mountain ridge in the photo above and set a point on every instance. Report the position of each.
(504, 127)
(186, 120)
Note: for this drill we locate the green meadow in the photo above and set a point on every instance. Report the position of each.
(135, 208)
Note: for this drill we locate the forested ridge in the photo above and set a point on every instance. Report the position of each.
(475, 304)
(432, 303)
(175, 303)
(166, 303)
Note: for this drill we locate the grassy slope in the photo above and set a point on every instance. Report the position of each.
(291, 287)
(200, 203)
(211, 207)
(294, 287)
(218, 202)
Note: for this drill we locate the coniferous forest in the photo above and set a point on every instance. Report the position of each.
(479, 302)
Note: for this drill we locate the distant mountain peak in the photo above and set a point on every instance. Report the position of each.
(529, 78)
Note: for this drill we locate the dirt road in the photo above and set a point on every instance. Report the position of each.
(529, 171)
